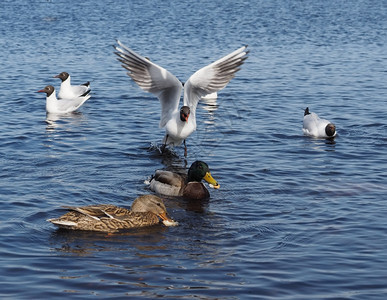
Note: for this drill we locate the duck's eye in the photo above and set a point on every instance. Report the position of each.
(158, 204)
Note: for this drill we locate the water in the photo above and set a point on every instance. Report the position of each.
(295, 218)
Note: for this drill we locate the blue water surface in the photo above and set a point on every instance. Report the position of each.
(295, 217)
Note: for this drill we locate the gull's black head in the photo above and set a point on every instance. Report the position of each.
(184, 113)
(62, 76)
(330, 129)
(48, 90)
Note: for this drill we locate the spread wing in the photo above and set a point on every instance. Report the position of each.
(153, 79)
(213, 77)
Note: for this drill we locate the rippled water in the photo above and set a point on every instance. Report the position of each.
(295, 218)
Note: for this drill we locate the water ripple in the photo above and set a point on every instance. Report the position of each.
(295, 218)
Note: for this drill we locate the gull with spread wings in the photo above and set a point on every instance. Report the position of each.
(179, 123)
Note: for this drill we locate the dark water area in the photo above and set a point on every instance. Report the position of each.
(295, 217)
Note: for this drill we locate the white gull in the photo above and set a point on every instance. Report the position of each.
(61, 106)
(68, 91)
(179, 123)
(316, 127)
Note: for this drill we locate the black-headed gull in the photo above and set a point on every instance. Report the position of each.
(179, 123)
(61, 106)
(68, 91)
(316, 127)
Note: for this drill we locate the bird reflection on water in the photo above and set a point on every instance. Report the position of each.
(83, 243)
(56, 121)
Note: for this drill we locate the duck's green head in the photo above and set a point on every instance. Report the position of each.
(198, 171)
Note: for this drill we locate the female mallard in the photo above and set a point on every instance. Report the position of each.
(145, 211)
(172, 184)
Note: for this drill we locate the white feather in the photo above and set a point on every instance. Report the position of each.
(158, 81)
(62, 223)
(314, 126)
(60, 106)
(68, 91)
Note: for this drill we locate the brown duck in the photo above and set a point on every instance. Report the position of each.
(145, 211)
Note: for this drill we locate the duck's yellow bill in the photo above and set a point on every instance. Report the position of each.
(211, 180)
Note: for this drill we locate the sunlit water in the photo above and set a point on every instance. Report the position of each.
(295, 217)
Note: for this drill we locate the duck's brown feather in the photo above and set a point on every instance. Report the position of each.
(106, 218)
(195, 191)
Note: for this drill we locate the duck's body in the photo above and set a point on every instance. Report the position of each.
(316, 127)
(68, 91)
(179, 123)
(61, 106)
(145, 211)
(167, 183)
(190, 186)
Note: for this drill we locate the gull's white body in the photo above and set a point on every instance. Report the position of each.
(154, 79)
(314, 126)
(54, 105)
(68, 91)
(61, 106)
(177, 130)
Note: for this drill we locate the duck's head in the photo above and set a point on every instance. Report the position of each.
(330, 129)
(184, 113)
(62, 76)
(153, 204)
(199, 170)
(48, 90)
(306, 111)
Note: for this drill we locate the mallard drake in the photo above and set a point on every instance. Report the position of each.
(145, 211)
(316, 127)
(190, 187)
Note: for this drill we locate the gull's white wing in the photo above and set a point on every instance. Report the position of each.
(213, 77)
(80, 89)
(153, 79)
(69, 105)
